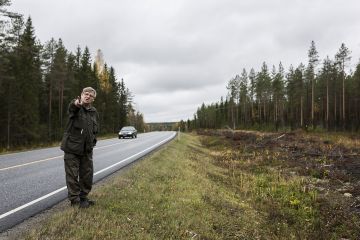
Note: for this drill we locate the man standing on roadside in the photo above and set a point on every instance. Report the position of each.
(78, 142)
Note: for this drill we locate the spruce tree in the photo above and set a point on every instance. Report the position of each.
(123, 100)
(85, 73)
(28, 78)
(114, 97)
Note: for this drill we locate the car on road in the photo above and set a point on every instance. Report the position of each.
(128, 131)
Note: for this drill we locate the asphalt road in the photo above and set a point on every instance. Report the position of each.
(33, 181)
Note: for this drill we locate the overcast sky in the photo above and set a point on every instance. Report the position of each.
(176, 54)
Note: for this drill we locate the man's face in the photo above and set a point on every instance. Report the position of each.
(87, 97)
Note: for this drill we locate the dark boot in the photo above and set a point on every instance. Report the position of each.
(85, 203)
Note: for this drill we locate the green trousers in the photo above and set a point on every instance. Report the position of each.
(79, 172)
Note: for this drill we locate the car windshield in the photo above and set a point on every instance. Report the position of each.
(127, 129)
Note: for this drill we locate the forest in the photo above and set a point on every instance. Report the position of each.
(37, 82)
(323, 94)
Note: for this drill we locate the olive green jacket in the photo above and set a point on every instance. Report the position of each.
(81, 129)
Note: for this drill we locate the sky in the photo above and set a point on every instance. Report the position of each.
(175, 55)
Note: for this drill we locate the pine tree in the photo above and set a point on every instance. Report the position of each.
(278, 95)
(328, 90)
(342, 57)
(48, 55)
(243, 94)
(356, 97)
(291, 91)
(233, 96)
(252, 78)
(313, 60)
(59, 75)
(222, 112)
(263, 92)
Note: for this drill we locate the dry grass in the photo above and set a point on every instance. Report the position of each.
(208, 187)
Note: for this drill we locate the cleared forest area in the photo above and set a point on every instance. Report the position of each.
(325, 198)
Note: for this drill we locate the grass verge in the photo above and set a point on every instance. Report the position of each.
(199, 188)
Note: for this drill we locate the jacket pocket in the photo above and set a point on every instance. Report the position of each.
(73, 144)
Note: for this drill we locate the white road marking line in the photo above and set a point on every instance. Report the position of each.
(47, 159)
(31, 203)
(63, 188)
(25, 164)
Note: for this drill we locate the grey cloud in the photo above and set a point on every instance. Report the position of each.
(181, 53)
(159, 79)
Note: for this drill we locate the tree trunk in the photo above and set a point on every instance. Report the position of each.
(252, 112)
(343, 96)
(265, 111)
(237, 114)
(312, 102)
(50, 108)
(245, 118)
(61, 102)
(8, 129)
(301, 112)
(327, 104)
(232, 116)
(335, 110)
(259, 112)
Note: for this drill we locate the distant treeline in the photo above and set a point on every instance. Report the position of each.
(164, 126)
(37, 82)
(307, 96)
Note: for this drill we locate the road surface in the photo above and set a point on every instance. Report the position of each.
(33, 181)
